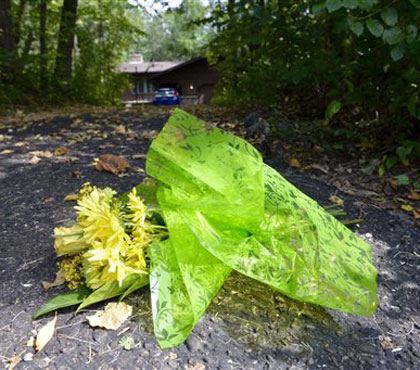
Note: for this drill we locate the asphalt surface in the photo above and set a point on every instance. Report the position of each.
(248, 326)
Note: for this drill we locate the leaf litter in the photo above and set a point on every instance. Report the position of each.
(45, 334)
(111, 163)
(112, 317)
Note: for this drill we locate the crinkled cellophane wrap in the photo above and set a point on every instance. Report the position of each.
(225, 209)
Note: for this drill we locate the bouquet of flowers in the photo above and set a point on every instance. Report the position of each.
(210, 206)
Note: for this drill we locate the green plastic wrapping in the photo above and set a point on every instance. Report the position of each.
(225, 209)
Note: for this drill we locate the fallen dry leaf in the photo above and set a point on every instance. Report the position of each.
(41, 153)
(198, 366)
(336, 200)
(59, 280)
(45, 334)
(7, 151)
(294, 162)
(173, 356)
(71, 197)
(66, 159)
(364, 146)
(120, 129)
(138, 156)
(413, 195)
(416, 213)
(394, 184)
(316, 167)
(5, 137)
(386, 342)
(13, 361)
(407, 207)
(34, 160)
(149, 134)
(62, 150)
(112, 316)
(21, 143)
(111, 163)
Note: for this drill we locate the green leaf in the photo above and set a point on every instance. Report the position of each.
(390, 162)
(397, 52)
(381, 170)
(142, 281)
(334, 5)
(63, 300)
(403, 180)
(412, 104)
(415, 3)
(365, 4)
(332, 109)
(403, 152)
(356, 27)
(412, 32)
(393, 36)
(389, 16)
(110, 290)
(375, 27)
(318, 9)
(350, 4)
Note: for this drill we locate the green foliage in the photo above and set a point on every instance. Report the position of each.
(362, 53)
(113, 289)
(173, 34)
(104, 33)
(332, 109)
(375, 27)
(403, 180)
(408, 151)
(63, 300)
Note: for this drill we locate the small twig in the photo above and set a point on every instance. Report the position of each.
(248, 321)
(17, 315)
(413, 254)
(90, 357)
(68, 326)
(110, 350)
(26, 264)
(405, 334)
(77, 339)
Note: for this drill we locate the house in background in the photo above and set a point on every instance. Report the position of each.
(193, 79)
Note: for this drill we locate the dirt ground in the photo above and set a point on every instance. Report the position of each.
(248, 326)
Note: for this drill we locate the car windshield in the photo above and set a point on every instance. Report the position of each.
(165, 93)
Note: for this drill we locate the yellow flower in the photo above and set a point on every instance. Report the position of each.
(138, 210)
(111, 249)
(142, 230)
(142, 236)
(69, 240)
(102, 264)
(101, 219)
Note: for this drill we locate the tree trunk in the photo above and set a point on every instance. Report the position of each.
(27, 46)
(7, 31)
(63, 63)
(43, 77)
(8, 44)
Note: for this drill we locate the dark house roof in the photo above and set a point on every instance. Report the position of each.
(179, 65)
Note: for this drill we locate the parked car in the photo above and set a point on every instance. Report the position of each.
(166, 96)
